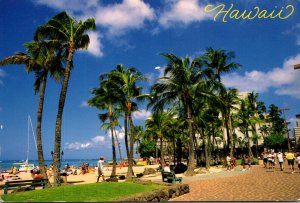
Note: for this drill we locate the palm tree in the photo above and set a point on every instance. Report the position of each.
(230, 101)
(71, 35)
(125, 81)
(43, 60)
(157, 126)
(106, 98)
(182, 80)
(219, 61)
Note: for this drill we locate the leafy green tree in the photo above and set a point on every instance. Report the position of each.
(147, 148)
(274, 141)
(277, 129)
(71, 36)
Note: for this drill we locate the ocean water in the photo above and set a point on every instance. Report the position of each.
(7, 164)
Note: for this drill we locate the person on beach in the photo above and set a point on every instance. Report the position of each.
(243, 162)
(271, 160)
(265, 158)
(100, 169)
(50, 171)
(248, 161)
(83, 168)
(233, 162)
(151, 160)
(291, 159)
(280, 160)
(167, 167)
(228, 162)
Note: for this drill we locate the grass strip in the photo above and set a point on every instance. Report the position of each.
(95, 192)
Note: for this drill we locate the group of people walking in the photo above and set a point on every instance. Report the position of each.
(269, 159)
(231, 162)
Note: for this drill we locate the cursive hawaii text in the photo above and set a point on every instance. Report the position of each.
(256, 12)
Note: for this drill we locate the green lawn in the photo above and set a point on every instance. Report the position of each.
(82, 193)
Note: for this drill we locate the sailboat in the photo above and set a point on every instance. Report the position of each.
(25, 166)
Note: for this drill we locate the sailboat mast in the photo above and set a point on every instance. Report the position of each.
(27, 140)
(32, 133)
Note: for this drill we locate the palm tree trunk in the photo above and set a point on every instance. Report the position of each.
(162, 155)
(179, 150)
(131, 142)
(119, 146)
(248, 144)
(191, 164)
(57, 140)
(231, 135)
(114, 169)
(39, 144)
(126, 133)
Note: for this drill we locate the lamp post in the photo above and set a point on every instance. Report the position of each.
(52, 153)
(286, 125)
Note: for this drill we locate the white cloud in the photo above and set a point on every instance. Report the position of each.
(92, 143)
(142, 114)
(78, 145)
(95, 46)
(182, 11)
(116, 18)
(285, 80)
(130, 14)
(74, 6)
(98, 139)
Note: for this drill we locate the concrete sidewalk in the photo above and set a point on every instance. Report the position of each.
(257, 184)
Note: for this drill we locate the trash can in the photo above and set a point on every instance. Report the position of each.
(63, 177)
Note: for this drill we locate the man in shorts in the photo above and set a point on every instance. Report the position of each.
(265, 158)
(291, 159)
(100, 168)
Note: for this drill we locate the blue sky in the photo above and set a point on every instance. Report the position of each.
(134, 33)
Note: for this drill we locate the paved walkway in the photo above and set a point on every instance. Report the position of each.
(257, 184)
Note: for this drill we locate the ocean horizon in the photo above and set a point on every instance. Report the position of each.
(7, 164)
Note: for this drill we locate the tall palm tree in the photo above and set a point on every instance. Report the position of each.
(125, 80)
(182, 80)
(105, 99)
(43, 60)
(230, 101)
(219, 61)
(71, 35)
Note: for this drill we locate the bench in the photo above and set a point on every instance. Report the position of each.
(170, 177)
(12, 185)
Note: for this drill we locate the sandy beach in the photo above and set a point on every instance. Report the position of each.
(92, 177)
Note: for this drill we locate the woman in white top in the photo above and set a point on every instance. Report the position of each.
(167, 168)
(280, 160)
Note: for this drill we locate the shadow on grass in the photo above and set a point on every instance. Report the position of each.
(73, 182)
